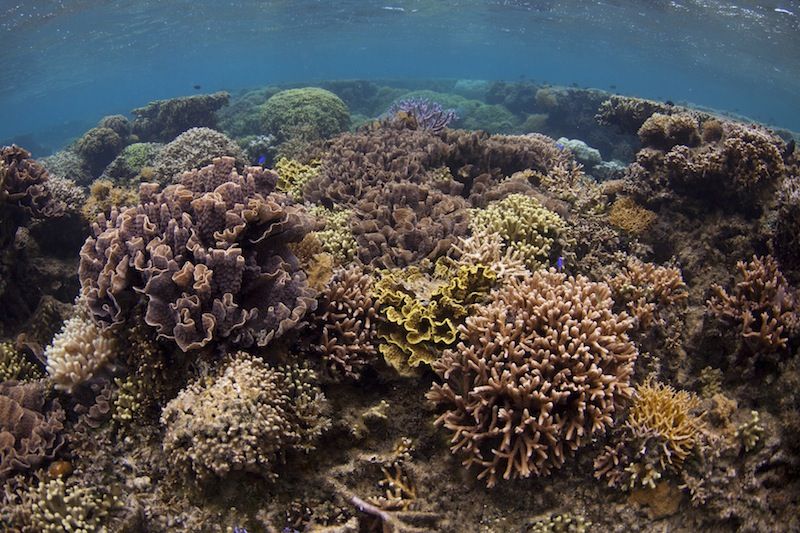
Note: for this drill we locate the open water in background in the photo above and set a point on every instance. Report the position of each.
(68, 63)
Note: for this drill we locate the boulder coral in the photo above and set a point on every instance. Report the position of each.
(208, 257)
(318, 112)
(163, 120)
(194, 148)
(537, 373)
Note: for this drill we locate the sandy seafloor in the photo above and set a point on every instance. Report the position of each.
(417, 322)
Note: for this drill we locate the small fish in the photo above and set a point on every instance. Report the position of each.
(262, 159)
(197, 87)
(560, 146)
(560, 264)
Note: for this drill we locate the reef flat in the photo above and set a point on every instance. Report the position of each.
(463, 306)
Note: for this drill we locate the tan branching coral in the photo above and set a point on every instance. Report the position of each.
(246, 418)
(345, 318)
(538, 372)
(660, 433)
(762, 304)
(14, 365)
(56, 506)
(105, 195)
(208, 256)
(647, 289)
(30, 427)
(79, 350)
(630, 216)
(483, 248)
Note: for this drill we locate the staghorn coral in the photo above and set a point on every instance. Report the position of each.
(345, 319)
(163, 120)
(294, 175)
(209, 257)
(524, 225)
(762, 304)
(646, 289)
(246, 418)
(626, 214)
(658, 436)
(30, 427)
(537, 373)
(420, 314)
(15, 366)
(79, 350)
(482, 248)
(319, 112)
(194, 148)
(104, 196)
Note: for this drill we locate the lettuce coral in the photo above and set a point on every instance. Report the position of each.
(537, 373)
(525, 225)
(420, 314)
(246, 418)
(208, 257)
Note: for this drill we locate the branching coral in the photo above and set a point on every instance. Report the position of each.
(660, 433)
(294, 175)
(79, 350)
(483, 248)
(421, 113)
(245, 419)
(56, 506)
(337, 238)
(208, 257)
(762, 304)
(345, 319)
(646, 289)
(30, 427)
(538, 372)
(420, 314)
(104, 195)
(14, 365)
(524, 225)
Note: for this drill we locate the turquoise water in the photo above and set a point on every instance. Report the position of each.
(69, 63)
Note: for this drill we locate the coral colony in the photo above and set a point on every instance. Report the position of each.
(275, 313)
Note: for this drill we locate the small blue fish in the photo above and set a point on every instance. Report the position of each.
(560, 264)
(262, 159)
(560, 146)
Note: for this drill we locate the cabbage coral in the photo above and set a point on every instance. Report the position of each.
(537, 373)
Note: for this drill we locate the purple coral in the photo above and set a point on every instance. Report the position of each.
(426, 114)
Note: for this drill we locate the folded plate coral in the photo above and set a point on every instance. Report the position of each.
(208, 257)
(537, 373)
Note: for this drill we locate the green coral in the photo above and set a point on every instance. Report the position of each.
(310, 111)
(293, 175)
(337, 239)
(750, 432)
(140, 155)
(524, 225)
(59, 506)
(130, 399)
(421, 313)
(14, 365)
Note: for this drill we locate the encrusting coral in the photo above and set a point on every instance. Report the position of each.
(420, 314)
(208, 257)
(537, 373)
(762, 304)
(659, 434)
(345, 319)
(524, 225)
(245, 419)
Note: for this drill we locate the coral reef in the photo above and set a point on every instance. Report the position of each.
(761, 305)
(163, 120)
(525, 226)
(246, 418)
(659, 435)
(207, 256)
(194, 148)
(104, 196)
(537, 373)
(30, 427)
(665, 131)
(786, 238)
(310, 112)
(345, 322)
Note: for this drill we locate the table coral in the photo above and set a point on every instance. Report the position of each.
(208, 257)
(524, 225)
(246, 418)
(762, 304)
(537, 373)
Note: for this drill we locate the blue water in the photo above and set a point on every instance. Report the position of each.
(68, 63)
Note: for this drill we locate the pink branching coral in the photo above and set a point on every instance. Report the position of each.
(761, 304)
(537, 373)
(210, 256)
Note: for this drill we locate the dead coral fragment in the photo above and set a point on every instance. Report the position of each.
(244, 419)
(630, 216)
(646, 289)
(761, 303)
(659, 434)
(537, 373)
